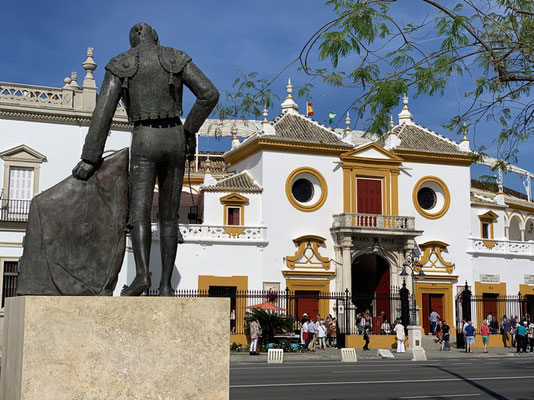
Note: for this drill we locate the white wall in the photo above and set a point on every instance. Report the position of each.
(453, 227)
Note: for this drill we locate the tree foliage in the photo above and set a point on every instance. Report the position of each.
(271, 323)
(370, 48)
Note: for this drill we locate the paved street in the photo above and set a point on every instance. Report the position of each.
(477, 378)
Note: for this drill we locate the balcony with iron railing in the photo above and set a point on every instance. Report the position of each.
(12, 210)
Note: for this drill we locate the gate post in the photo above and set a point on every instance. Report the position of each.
(347, 311)
(405, 305)
(466, 303)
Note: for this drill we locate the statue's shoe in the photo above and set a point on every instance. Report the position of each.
(136, 288)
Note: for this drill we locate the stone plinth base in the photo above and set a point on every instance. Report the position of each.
(415, 334)
(66, 348)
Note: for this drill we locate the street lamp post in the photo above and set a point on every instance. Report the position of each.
(411, 262)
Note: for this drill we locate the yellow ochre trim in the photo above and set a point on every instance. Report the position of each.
(249, 148)
(494, 288)
(234, 200)
(321, 285)
(433, 158)
(308, 273)
(310, 242)
(434, 247)
(447, 200)
(322, 182)
(525, 289)
(435, 288)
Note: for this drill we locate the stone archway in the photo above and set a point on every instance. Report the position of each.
(371, 287)
(515, 228)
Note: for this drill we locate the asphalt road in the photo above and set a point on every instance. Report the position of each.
(477, 378)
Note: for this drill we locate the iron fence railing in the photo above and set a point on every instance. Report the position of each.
(346, 308)
(12, 210)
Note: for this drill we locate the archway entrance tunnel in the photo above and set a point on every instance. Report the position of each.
(372, 295)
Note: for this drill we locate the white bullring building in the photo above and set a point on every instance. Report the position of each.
(294, 205)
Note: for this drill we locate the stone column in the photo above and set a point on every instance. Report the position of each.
(347, 264)
(338, 257)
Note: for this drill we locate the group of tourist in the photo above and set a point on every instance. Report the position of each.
(318, 333)
(364, 323)
(516, 333)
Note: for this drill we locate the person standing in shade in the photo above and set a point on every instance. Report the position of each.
(311, 334)
(446, 336)
(485, 331)
(469, 332)
(401, 336)
(321, 333)
(434, 316)
(366, 333)
(506, 328)
(521, 337)
(489, 318)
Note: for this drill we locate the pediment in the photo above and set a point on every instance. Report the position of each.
(22, 153)
(370, 152)
(489, 215)
(234, 198)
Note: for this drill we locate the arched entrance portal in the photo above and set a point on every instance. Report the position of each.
(371, 288)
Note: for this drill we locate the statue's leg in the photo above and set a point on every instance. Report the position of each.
(141, 190)
(170, 179)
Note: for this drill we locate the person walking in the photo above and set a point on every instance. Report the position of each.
(485, 331)
(366, 333)
(433, 318)
(469, 332)
(401, 336)
(445, 336)
(506, 329)
(321, 333)
(521, 337)
(255, 333)
(304, 330)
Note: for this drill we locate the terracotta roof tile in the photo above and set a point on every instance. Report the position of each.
(239, 182)
(417, 138)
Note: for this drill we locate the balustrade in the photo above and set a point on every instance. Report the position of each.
(373, 221)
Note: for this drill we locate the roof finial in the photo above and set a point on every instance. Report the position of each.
(391, 123)
(73, 79)
(67, 81)
(265, 114)
(289, 104)
(235, 139)
(347, 123)
(464, 143)
(405, 116)
(89, 65)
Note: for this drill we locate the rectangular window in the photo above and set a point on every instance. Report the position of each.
(234, 216)
(9, 285)
(20, 183)
(485, 230)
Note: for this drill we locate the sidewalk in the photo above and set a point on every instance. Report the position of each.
(432, 353)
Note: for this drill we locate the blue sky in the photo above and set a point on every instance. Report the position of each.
(44, 41)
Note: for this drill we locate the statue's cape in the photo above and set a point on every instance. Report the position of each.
(75, 239)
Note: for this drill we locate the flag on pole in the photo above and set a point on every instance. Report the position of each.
(331, 117)
(309, 109)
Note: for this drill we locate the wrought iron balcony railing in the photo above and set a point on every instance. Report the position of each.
(12, 210)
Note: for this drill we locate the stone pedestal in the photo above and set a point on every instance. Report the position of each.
(65, 348)
(415, 336)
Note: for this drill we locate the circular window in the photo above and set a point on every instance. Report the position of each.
(431, 197)
(426, 198)
(302, 190)
(306, 189)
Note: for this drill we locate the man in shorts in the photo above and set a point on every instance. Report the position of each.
(469, 332)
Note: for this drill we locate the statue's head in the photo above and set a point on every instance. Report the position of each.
(143, 33)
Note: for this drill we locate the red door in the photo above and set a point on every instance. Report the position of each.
(369, 196)
(434, 302)
(307, 302)
(383, 289)
(489, 304)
